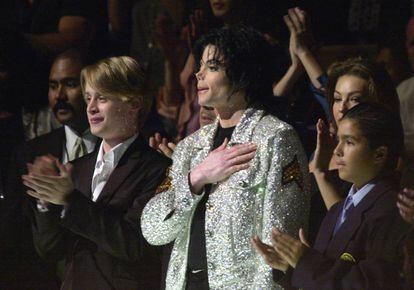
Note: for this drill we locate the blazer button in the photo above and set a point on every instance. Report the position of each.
(243, 184)
(209, 233)
(209, 206)
(210, 266)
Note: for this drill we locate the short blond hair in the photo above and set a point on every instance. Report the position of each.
(121, 77)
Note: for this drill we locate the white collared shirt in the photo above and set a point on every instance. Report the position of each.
(358, 195)
(105, 163)
(71, 136)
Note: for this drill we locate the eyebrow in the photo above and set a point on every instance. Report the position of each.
(348, 137)
(350, 93)
(64, 79)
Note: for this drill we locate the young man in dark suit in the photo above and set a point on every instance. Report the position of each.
(94, 206)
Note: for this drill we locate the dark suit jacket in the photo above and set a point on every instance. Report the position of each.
(365, 253)
(21, 268)
(101, 240)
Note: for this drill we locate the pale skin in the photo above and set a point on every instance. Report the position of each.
(159, 143)
(300, 49)
(348, 93)
(213, 90)
(405, 204)
(105, 122)
(285, 250)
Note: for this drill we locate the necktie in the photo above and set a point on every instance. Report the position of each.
(348, 206)
(78, 150)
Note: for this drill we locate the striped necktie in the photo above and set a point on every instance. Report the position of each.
(78, 150)
(348, 206)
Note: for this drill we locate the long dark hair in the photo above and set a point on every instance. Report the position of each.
(251, 63)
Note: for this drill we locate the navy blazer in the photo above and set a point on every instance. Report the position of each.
(365, 253)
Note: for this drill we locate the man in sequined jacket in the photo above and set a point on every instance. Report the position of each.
(232, 179)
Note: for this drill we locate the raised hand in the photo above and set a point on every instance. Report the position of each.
(270, 256)
(51, 188)
(301, 37)
(221, 163)
(162, 145)
(44, 165)
(325, 145)
(197, 27)
(405, 204)
(290, 249)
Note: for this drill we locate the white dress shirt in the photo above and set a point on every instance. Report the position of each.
(105, 163)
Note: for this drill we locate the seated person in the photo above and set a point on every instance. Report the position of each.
(359, 242)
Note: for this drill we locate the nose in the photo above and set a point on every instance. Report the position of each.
(61, 93)
(338, 150)
(91, 107)
(344, 107)
(199, 75)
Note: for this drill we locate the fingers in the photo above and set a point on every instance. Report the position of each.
(171, 146)
(165, 150)
(33, 194)
(269, 255)
(289, 24)
(62, 168)
(262, 248)
(296, 19)
(406, 199)
(152, 143)
(242, 159)
(241, 149)
(302, 237)
(405, 204)
(408, 192)
(222, 146)
(236, 168)
(35, 184)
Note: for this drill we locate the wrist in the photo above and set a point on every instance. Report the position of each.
(195, 181)
(320, 173)
(304, 52)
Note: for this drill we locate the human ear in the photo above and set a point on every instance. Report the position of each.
(381, 154)
(136, 105)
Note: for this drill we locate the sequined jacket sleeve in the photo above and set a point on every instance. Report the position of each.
(166, 214)
(286, 199)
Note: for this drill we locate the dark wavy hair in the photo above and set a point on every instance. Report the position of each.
(381, 127)
(251, 63)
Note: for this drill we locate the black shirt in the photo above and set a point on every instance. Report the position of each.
(197, 258)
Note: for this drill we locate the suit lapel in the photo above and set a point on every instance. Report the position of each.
(327, 228)
(86, 173)
(352, 223)
(56, 143)
(124, 168)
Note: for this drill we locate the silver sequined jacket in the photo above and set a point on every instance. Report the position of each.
(273, 192)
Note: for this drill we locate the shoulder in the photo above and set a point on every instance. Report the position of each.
(196, 137)
(273, 125)
(50, 142)
(272, 130)
(57, 134)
